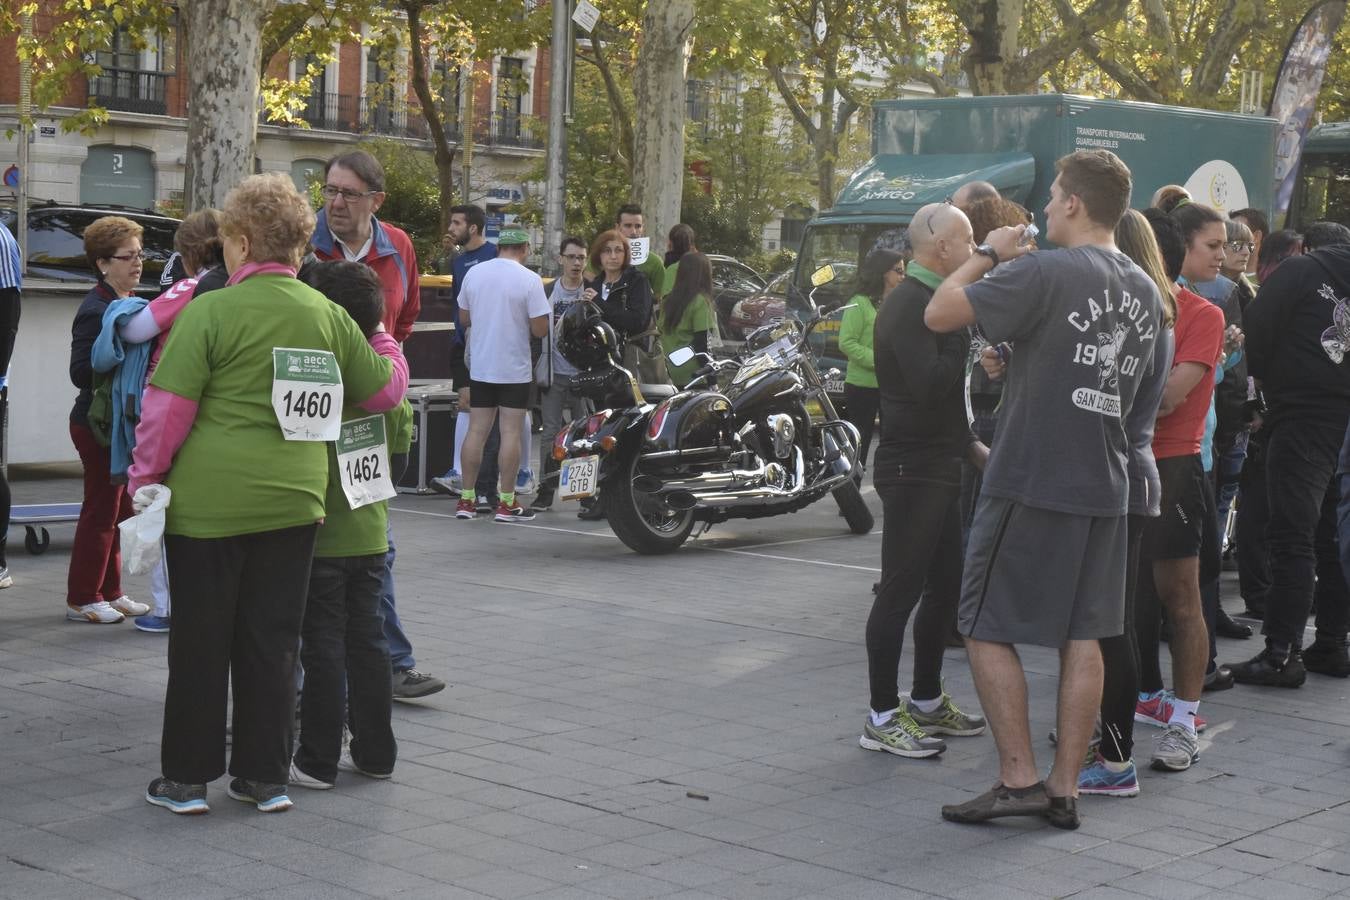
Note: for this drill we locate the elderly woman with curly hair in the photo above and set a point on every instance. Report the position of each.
(235, 421)
(94, 585)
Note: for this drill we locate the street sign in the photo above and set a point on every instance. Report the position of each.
(586, 16)
(11, 177)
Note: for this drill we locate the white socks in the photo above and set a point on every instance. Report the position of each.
(1183, 712)
(461, 432)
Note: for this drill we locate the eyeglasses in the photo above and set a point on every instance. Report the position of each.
(1236, 246)
(574, 257)
(131, 257)
(331, 193)
(899, 270)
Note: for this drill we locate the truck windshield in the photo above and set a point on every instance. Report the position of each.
(843, 246)
(1323, 191)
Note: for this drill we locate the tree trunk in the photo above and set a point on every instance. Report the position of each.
(224, 39)
(658, 82)
(993, 27)
(445, 157)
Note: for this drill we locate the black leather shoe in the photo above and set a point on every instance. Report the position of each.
(1254, 613)
(1270, 669)
(1225, 627)
(1327, 658)
(1221, 679)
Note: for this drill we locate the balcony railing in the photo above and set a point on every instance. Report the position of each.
(130, 90)
(512, 130)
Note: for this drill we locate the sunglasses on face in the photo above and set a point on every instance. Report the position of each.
(1238, 246)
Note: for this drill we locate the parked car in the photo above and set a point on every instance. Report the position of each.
(733, 281)
(56, 240)
(761, 308)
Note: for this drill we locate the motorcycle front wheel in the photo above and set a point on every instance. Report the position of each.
(854, 508)
(640, 521)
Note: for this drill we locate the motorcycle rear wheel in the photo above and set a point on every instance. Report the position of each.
(642, 523)
(854, 508)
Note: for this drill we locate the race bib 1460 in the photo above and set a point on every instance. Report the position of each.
(307, 394)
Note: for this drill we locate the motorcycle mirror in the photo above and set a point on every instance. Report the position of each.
(823, 275)
(680, 356)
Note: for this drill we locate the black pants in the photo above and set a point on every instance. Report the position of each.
(346, 657)
(237, 608)
(861, 406)
(1303, 492)
(1253, 513)
(1120, 661)
(920, 543)
(5, 501)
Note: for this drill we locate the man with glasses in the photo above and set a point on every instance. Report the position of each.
(353, 190)
(562, 293)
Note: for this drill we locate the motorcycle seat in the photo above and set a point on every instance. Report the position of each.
(657, 392)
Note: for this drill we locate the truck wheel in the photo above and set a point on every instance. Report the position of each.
(640, 521)
(854, 508)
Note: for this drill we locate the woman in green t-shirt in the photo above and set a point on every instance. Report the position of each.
(881, 271)
(687, 316)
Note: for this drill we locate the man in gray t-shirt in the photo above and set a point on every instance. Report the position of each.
(1047, 554)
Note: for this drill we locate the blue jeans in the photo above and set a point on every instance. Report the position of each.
(400, 649)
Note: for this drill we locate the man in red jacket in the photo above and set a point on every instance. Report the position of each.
(353, 190)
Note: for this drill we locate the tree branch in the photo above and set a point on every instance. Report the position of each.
(790, 99)
(1233, 26)
(1024, 71)
(616, 104)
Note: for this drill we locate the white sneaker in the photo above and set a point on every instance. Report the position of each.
(5, 579)
(298, 777)
(450, 483)
(525, 482)
(128, 607)
(347, 764)
(100, 613)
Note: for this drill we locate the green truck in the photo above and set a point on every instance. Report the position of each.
(924, 149)
(1323, 188)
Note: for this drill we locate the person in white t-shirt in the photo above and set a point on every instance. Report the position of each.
(502, 305)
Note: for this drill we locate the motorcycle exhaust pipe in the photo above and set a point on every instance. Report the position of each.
(648, 484)
(680, 500)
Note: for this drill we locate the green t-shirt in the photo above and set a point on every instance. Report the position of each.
(698, 317)
(236, 473)
(655, 270)
(855, 339)
(360, 532)
(672, 271)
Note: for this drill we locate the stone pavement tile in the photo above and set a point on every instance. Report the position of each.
(390, 849)
(1264, 887)
(1170, 838)
(310, 890)
(1335, 860)
(1279, 848)
(560, 838)
(445, 836)
(1232, 859)
(253, 877)
(183, 886)
(445, 867)
(685, 872)
(323, 864)
(1137, 858)
(505, 884)
(868, 889)
(996, 887)
(40, 885)
(1164, 884)
(1323, 878)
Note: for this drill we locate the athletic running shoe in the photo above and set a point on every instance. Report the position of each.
(152, 624)
(128, 607)
(465, 509)
(449, 483)
(542, 503)
(410, 684)
(302, 778)
(525, 482)
(1176, 748)
(347, 764)
(900, 735)
(513, 514)
(100, 613)
(183, 799)
(1096, 778)
(6, 580)
(946, 719)
(266, 797)
(1156, 709)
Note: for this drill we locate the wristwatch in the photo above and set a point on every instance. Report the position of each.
(986, 250)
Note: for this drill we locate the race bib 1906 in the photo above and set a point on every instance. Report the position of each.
(306, 394)
(363, 462)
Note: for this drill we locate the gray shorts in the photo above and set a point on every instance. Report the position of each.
(1035, 576)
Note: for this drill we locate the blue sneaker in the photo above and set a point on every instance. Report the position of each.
(1098, 779)
(450, 483)
(152, 624)
(525, 483)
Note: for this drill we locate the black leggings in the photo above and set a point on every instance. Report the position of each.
(920, 544)
(1120, 662)
(861, 405)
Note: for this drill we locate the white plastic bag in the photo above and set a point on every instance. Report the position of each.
(143, 532)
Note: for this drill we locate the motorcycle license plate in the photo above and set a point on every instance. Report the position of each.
(834, 386)
(577, 478)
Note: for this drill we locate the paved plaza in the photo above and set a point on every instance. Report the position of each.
(627, 727)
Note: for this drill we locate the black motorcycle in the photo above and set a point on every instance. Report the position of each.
(661, 461)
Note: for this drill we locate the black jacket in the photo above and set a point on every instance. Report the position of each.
(1298, 337)
(83, 332)
(628, 310)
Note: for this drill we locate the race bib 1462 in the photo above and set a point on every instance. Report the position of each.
(363, 462)
(306, 394)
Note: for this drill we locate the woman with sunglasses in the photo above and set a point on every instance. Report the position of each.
(880, 272)
(1237, 252)
(112, 245)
